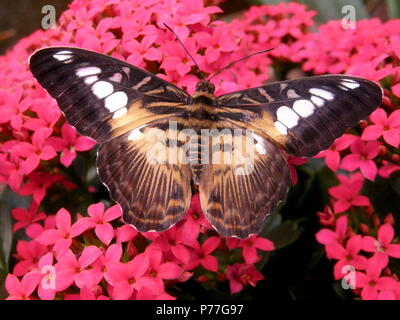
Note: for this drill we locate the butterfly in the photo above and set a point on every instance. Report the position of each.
(146, 127)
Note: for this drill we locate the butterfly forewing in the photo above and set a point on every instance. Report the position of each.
(120, 106)
(98, 94)
(303, 116)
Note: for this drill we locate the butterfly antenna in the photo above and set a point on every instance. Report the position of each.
(183, 46)
(234, 62)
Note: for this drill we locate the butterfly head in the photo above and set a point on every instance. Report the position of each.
(204, 91)
(205, 86)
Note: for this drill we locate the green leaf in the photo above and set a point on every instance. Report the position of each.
(8, 201)
(384, 194)
(285, 233)
(393, 9)
(6, 235)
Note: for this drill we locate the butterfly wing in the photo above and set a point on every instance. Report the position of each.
(127, 111)
(144, 176)
(237, 194)
(303, 116)
(103, 97)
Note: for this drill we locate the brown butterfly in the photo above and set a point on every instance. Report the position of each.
(146, 128)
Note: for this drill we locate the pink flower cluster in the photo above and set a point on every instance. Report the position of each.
(96, 256)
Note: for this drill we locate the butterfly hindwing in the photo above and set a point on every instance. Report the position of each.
(98, 93)
(303, 116)
(238, 194)
(153, 190)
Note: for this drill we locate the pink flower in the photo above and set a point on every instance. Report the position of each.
(383, 125)
(347, 194)
(241, 274)
(172, 241)
(176, 58)
(249, 247)
(13, 108)
(99, 220)
(348, 255)
(332, 155)
(69, 144)
(21, 290)
(37, 185)
(61, 236)
(102, 265)
(29, 253)
(383, 245)
(329, 237)
(71, 270)
(89, 294)
(159, 270)
(26, 217)
(204, 251)
(144, 293)
(38, 150)
(371, 282)
(195, 221)
(219, 41)
(127, 277)
(125, 233)
(361, 157)
(142, 50)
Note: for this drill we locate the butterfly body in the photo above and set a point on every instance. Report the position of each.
(155, 139)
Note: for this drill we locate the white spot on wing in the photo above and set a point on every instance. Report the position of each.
(116, 77)
(87, 71)
(259, 145)
(317, 101)
(63, 56)
(135, 134)
(116, 101)
(348, 83)
(280, 127)
(260, 148)
(91, 79)
(102, 89)
(119, 113)
(322, 93)
(287, 116)
(304, 108)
